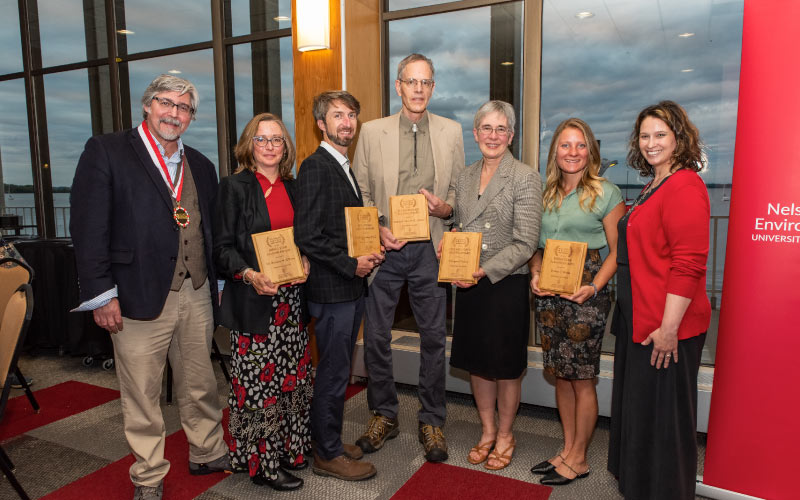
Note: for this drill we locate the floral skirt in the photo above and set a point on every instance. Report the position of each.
(572, 333)
(271, 391)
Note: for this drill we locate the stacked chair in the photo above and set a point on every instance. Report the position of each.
(17, 311)
(13, 273)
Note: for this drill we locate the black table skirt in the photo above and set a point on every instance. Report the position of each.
(55, 292)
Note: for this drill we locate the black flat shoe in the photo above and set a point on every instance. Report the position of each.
(287, 466)
(555, 479)
(284, 481)
(543, 468)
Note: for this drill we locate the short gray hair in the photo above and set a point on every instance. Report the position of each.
(401, 66)
(501, 107)
(170, 83)
(323, 101)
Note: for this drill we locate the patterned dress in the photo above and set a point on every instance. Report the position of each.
(271, 391)
(572, 333)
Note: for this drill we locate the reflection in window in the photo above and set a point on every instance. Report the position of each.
(16, 177)
(68, 128)
(75, 31)
(197, 67)
(607, 66)
(154, 24)
(11, 62)
(253, 16)
(477, 56)
(262, 82)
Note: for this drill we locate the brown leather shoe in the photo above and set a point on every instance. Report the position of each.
(343, 468)
(352, 451)
(379, 429)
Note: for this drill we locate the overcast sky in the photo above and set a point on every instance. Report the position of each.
(603, 69)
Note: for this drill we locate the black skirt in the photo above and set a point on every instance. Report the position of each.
(653, 442)
(492, 325)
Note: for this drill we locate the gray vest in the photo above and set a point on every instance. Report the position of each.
(191, 249)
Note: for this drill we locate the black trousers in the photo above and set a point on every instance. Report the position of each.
(336, 332)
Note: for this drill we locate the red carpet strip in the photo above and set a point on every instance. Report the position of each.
(57, 402)
(113, 481)
(449, 481)
(353, 389)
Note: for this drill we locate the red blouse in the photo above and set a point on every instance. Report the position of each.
(279, 207)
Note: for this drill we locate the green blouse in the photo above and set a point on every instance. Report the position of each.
(572, 223)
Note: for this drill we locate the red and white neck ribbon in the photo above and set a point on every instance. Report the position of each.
(152, 148)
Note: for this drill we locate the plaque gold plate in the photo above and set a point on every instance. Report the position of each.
(409, 217)
(562, 266)
(363, 231)
(461, 256)
(278, 256)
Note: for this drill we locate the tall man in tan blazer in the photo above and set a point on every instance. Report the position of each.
(413, 151)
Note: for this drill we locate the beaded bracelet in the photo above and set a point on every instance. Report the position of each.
(595, 289)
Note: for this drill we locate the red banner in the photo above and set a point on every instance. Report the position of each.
(754, 433)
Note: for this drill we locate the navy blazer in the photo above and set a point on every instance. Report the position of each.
(241, 211)
(321, 193)
(122, 227)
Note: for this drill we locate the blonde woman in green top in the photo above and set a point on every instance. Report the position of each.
(579, 205)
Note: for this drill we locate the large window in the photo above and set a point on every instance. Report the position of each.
(61, 69)
(16, 177)
(605, 65)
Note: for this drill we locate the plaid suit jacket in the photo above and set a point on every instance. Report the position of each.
(321, 192)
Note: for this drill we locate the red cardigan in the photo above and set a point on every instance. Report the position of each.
(667, 239)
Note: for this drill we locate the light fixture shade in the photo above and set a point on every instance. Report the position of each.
(313, 25)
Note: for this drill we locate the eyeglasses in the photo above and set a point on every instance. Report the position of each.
(167, 103)
(412, 82)
(261, 141)
(499, 130)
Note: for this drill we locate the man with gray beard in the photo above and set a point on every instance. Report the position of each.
(141, 207)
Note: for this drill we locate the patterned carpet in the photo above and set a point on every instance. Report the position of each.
(83, 454)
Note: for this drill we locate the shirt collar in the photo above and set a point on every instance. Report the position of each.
(342, 159)
(405, 123)
(176, 156)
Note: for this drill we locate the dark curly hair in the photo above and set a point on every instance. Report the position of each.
(688, 148)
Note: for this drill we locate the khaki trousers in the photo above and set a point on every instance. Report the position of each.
(183, 332)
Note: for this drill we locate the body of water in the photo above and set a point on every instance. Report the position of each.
(22, 204)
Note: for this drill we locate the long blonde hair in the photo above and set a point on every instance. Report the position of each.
(590, 185)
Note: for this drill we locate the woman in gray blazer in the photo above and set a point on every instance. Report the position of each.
(501, 198)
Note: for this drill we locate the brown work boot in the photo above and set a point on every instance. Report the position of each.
(379, 429)
(343, 468)
(432, 439)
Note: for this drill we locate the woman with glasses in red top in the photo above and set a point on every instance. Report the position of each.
(270, 359)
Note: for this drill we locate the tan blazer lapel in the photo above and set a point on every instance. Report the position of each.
(441, 176)
(496, 185)
(390, 154)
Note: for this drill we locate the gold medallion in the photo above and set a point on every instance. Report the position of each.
(181, 216)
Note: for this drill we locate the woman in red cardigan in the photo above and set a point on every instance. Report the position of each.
(662, 311)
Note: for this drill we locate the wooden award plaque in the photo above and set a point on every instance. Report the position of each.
(363, 231)
(409, 217)
(461, 256)
(562, 266)
(278, 256)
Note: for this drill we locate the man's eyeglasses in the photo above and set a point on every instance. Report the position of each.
(261, 141)
(499, 130)
(412, 82)
(167, 103)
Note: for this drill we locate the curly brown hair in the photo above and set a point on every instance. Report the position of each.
(688, 148)
(244, 148)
